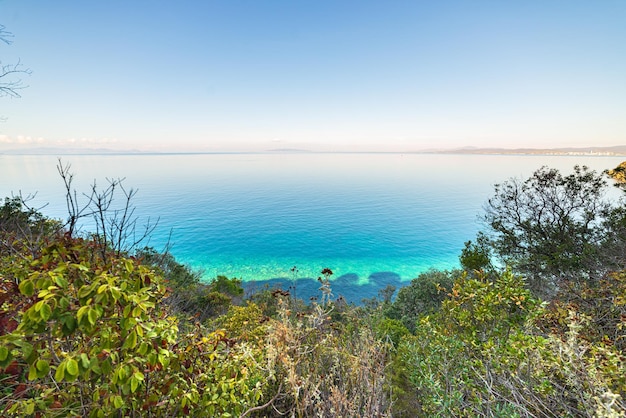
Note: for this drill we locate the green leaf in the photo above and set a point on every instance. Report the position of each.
(143, 349)
(128, 264)
(69, 324)
(64, 303)
(134, 383)
(45, 312)
(27, 348)
(131, 340)
(60, 372)
(118, 402)
(4, 353)
(27, 288)
(42, 366)
(85, 291)
(32, 373)
(115, 293)
(81, 312)
(121, 374)
(80, 267)
(60, 281)
(92, 316)
(84, 360)
(96, 413)
(72, 367)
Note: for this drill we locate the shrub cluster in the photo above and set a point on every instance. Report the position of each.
(90, 329)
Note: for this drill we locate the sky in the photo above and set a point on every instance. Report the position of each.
(320, 75)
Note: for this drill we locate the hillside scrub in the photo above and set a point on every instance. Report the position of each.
(88, 328)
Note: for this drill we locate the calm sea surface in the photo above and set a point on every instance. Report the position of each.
(371, 218)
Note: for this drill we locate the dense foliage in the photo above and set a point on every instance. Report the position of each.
(550, 227)
(91, 328)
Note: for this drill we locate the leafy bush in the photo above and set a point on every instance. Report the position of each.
(189, 297)
(87, 332)
(22, 227)
(422, 296)
(485, 354)
(89, 337)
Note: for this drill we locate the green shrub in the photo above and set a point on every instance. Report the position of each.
(422, 296)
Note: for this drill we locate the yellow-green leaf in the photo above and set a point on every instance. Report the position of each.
(45, 312)
(60, 373)
(71, 367)
(84, 360)
(131, 340)
(81, 311)
(143, 349)
(42, 366)
(4, 353)
(32, 373)
(92, 316)
(118, 402)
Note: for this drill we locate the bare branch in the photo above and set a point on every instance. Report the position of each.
(265, 405)
(10, 83)
(5, 35)
(115, 229)
(75, 211)
(10, 74)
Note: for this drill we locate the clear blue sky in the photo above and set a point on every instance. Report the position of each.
(328, 75)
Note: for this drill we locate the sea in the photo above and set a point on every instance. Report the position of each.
(278, 219)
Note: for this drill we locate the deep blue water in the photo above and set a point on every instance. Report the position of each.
(373, 219)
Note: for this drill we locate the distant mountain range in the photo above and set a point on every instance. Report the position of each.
(618, 150)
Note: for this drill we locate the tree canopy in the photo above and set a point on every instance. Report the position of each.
(551, 227)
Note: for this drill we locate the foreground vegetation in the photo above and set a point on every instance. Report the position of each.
(531, 325)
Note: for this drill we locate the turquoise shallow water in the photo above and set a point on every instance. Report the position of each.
(372, 218)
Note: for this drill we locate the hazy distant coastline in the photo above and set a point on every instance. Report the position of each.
(619, 150)
(587, 151)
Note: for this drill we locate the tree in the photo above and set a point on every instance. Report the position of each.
(476, 256)
(550, 227)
